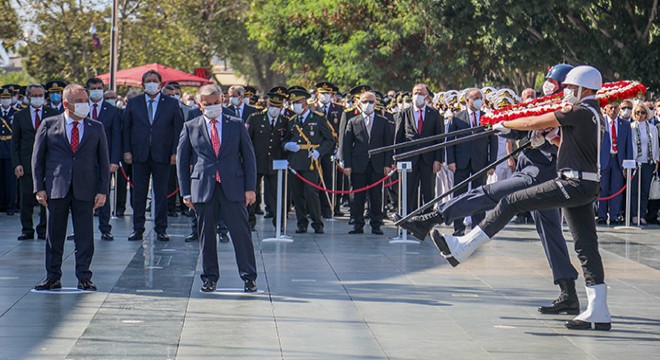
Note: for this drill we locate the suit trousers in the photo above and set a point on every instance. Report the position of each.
(172, 185)
(576, 198)
(82, 216)
(8, 185)
(422, 177)
(235, 213)
(306, 199)
(161, 174)
(459, 176)
(328, 167)
(121, 187)
(611, 181)
(104, 213)
(361, 180)
(27, 207)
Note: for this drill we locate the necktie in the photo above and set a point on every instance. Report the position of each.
(326, 110)
(37, 120)
(151, 111)
(95, 113)
(215, 141)
(238, 113)
(615, 148)
(75, 137)
(368, 123)
(420, 121)
(474, 120)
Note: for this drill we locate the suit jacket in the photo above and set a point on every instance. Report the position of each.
(5, 133)
(406, 130)
(56, 168)
(316, 129)
(346, 115)
(357, 144)
(482, 151)
(110, 117)
(56, 109)
(235, 162)
(333, 116)
(22, 140)
(247, 111)
(267, 140)
(142, 139)
(623, 141)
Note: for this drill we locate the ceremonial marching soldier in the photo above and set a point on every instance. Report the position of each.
(54, 89)
(308, 137)
(267, 130)
(325, 93)
(7, 178)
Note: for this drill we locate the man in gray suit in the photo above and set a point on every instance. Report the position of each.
(71, 173)
(217, 177)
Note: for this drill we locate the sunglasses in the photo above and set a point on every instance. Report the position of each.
(368, 102)
(626, 108)
(640, 112)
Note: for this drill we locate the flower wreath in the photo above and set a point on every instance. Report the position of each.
(610, 92)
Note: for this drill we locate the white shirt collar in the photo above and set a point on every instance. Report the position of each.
(155, 99)
(208, 120)
(69, 120)
(303, 116)
(416, 109)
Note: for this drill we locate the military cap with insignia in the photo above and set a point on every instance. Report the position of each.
(326, 87)
(55, 86)
(297, 93)
(281, 90)
(14, 88)
(250, 91)
(276, 99)
(356, 91)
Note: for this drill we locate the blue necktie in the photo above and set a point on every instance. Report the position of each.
(151, 111)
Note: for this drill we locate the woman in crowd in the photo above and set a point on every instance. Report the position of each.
(647, 154)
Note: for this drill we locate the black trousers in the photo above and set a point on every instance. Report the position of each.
(235, 213)
(172, 185)
(82, 216)
(577, 198)
(459, 176)
(7, 185)
(420, 176)
(122, 186)
(104, 213)
(328, 167)
(27, 207)
(306, 199)
(141, 173)
(361, 180)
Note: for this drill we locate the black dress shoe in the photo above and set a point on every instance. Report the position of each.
(187, 212)
(250, 286)
(356, 231)
(301, 230)
(420, 225)
(259, 212)
(268, 215)
(162, 237)
(566, 303)
(135, 236)
(223, 238)
(338, 213)
(71, 237)
(10, 212)
(86, 284)
(584, 325)
(119, 214)
(318, 230)
(459, 233)
(25, 236)
(209, 286)
(377, 231)
(601, 221)
(41, 236)
(48, 284)
(107, 236)
(192, 237)
(441, 244)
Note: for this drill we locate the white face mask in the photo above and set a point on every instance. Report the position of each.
(233, 100)
(213, 111)
(81, 109)
(406, 105)
(298, 108)
(26, 101)
(14, 100)
(151, 88)
(246, 101)
(420, 100)
(177, 97)
(95, 95)
(569, 96)
(37, 102)
(273, 112)
(5, 102)
(476, 104)
(625, 113)
(548, 88)
(190, 103)
(325, 98)
(112, 102)
(367, 108)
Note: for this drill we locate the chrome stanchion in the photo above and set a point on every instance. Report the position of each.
(404, 168)
(628, 165)
(113, 211)
(281, 166)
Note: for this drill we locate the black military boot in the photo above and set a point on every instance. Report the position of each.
(567, 302)
(420, 225)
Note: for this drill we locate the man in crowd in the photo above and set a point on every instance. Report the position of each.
(7, 178)
(55, 89)
(126, 170)
(242, 110)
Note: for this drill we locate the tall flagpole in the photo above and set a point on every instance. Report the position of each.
(114, 42)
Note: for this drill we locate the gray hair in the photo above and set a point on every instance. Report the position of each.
(33, 86)
(70, 89)
(206, 90)
(132, 93)
(239, 88)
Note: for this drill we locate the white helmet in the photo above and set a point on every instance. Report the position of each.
(585, 76)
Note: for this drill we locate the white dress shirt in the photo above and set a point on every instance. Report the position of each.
(69, 127)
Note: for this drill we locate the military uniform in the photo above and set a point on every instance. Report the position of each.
(55, 89)
(310, 132)
(7, 177)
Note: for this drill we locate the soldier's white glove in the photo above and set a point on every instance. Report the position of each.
(314, 154)
(500, 129)
(553, 134)
(537, 140)
(292, 146)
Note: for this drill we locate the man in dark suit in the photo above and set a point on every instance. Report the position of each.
(70, 168)
(363, 133)
(469, 158)
(267, 130)
(152, 124)
(242, 110)
(415, 122)
(221, 183)
(24, 128)
(616, 147)
(7, 177)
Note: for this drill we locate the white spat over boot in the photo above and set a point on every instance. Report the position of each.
(597, 315)
(457, 249)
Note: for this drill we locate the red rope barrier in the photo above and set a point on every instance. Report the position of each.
(391, 183)
(130, 183)
(341, 192)
(618, 192)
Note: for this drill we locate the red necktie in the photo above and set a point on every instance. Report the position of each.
(74, 137)
(614, 147)
(215, 141)
(95, 113)
(420, 121)
(37, 120)
(474, 120)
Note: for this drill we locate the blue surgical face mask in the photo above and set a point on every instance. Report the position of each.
(56, 97)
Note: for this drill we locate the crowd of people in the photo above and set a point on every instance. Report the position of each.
(210, 157)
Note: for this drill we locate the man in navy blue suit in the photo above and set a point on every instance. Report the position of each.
(152, 124)
(70, 170)
(616, 147)
(217, 177)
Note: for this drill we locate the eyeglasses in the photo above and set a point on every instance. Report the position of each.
(640, 112)
(368, 101)
(626, 108)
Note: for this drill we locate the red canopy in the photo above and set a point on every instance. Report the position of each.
(133, 76)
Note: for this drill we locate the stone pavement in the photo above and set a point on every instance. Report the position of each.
(331, 296)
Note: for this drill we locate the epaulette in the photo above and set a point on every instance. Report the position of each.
(349, 110)
(318, 113)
